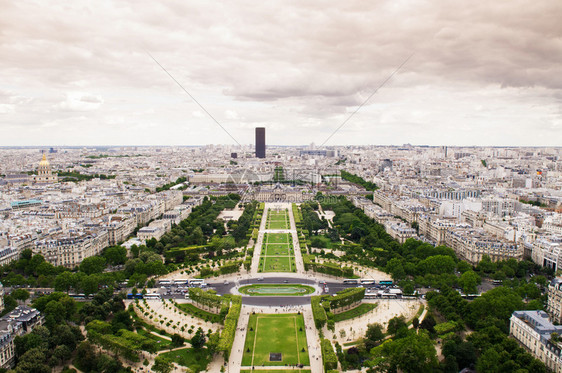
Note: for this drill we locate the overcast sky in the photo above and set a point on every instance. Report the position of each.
(482, 73)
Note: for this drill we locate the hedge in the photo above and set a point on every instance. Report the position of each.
(230, 323)
(208, 299)
(230, 267)
(318, 312)
(328, 355)
(327, 268)
(346, 297)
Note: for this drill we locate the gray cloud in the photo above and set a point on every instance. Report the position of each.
(292, 66)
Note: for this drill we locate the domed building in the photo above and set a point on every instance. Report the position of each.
(44, 173)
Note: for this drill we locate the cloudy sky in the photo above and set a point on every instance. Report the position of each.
(482, 72)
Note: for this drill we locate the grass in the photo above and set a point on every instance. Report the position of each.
(163, 344)
(355, 312)
(278, 249)
(277, 238)
(276, 290)
(277, 264)
(277, 220)
(198, 312)
(277, 254)
(195, 359)
(270, 333)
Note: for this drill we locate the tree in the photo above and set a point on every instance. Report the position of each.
(20, 294)
(177, 340)
(115, 255)
(92, 264)
(415, 322)
(64, 281)
(413, 353)
(373, 336)
(489, 361)
(162, 365)
(468, 281)
(395, 324)
(198, 340)
(395, 268)
(33, 361)
(428, 324)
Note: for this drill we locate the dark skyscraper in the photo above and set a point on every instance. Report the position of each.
(260, 142)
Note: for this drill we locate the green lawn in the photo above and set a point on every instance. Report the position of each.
(355, 312)
(277, 238)
(163, 344)
(283, 334)
(276, 290)
(278, 224)
(197, 312)
(278, 249)
(195, 359)
(277, 264)
(277, 253)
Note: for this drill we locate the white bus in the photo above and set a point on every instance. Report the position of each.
(152, 296)
(351, 281)
(181, 281)
(164, 282)
(368, 281)
(198, 282)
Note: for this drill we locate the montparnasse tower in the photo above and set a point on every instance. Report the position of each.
(44, 173)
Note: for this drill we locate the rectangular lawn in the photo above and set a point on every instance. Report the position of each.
(277, 263)
(278, 224)
(284, 334)
(278, 249)
(277, 238)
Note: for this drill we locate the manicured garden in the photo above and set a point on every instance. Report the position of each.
(195, 359)
(199, 313)
(277, 219)
(277, 264)
(355, 312)
(276, 290)
(277, 253)
(281, 338)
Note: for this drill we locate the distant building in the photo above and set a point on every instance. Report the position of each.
(554, 302)
(532, 329)
(260, 142)
(18, 322)
(44, 173)
(233, 155)
(319, 153)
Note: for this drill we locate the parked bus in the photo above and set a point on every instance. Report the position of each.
(164, 282)
(497, 282)
(368, 282)
(386, 282)
(152, 296)
(181, 281)
(134, 296)
(351, 281)
(77, 296)
(197, 282)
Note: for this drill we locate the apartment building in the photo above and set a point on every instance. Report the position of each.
(70, 249)
(533, 329)
(20, 321)
(554, 301)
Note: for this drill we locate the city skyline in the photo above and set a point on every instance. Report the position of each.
(485, 75)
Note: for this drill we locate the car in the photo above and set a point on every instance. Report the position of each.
(260, 278)
(226, 282)
(285, 281)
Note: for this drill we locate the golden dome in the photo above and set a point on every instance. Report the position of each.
(44, 162)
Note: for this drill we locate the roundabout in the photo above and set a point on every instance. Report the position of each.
(269, 290)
